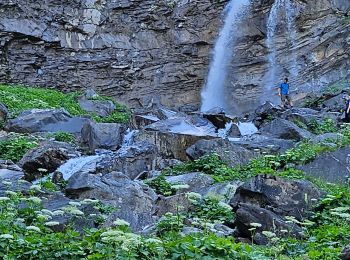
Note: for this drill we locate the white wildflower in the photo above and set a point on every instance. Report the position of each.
(42, 170)
(4, 198)
(6, 236)
(7, 183)
(193, 196)
(33, 228)
(20, 220)
(74, 203)
(47, 212)
(34, 199)
(256, 225)
(88, 201)
(121, 222)
(153, 241)
(58, 212)
(52, 223)
(44, 217)
(35, 187)
(11, 193)
(112, 233)
(340, 209)
(180, 186)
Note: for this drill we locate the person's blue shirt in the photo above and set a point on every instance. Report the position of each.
(284, 88)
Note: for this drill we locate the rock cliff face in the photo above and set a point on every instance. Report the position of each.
(139, 50)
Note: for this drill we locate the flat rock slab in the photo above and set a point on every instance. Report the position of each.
(332, 167)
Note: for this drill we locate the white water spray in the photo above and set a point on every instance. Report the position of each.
(287, 8)
(213, 94)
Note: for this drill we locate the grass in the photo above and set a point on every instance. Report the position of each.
(19, 98)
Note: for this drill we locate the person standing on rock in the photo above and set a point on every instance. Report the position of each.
(283, 92)
(347, 109)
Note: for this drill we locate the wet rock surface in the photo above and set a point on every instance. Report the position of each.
(46, 120)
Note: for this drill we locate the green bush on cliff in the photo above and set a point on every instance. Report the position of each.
(18, 99)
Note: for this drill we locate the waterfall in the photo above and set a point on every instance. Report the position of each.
(213, 93)
(287, 8)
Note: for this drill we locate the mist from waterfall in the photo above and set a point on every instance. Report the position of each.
(287, 8)
(213, 93)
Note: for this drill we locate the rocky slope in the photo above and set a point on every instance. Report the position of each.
(141, 50)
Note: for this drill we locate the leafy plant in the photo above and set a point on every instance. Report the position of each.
(327, 126)
(161, 186)
(62, 137)
(14, 148)
(19, 98)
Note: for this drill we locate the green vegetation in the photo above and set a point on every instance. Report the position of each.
(161, 186)
(18, 99)
(327, 126)
(62, 137)
(14, 148)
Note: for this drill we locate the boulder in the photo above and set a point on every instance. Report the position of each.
(232, 153)
(11, 176)
(196, 181)
(283, 197)
(233, 131)
(265, 113)
(134, 159)
(3, 113)
(283, 129)
(225, 191)
(247, 214)
(134, 202)
(326, 138)
(335, 103)
(140, 121)
(267, 144)
(331, 167)
(345, 254)
(218, 117)
(46, 120)
(101, 108)
(169, 145)
(48, 156)
(103, 135)
(175, 204)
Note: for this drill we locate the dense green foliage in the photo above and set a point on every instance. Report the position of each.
(14, 148)
(18, 99)
(62, 137)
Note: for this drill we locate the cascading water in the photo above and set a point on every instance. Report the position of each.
(287, 8)
(213, 94)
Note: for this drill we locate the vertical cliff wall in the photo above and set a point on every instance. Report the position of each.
(138, 50)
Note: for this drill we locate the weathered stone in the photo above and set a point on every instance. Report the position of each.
(283, 129)
(260, 144)
(332, 167)
(265, 113)
(196, 181)
(283, 197)
(3, 113)
(11, 178)
(225, 191)
(345, 254)
(134, 202)
(170, 145)
(103, 135)
(173, 204)
(234, 131)
(48, 156)
(228, 151)
(101, 108)
(218, 117)
(269, 221)
(46, 120)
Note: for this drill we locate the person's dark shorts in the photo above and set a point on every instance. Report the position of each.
(285, 99)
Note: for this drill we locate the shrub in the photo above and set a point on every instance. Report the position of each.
(14, 148)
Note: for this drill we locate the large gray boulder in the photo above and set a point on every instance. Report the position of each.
(218, 117)
(103, 135)
(196, 181)
(46, 120)
(283, 197)
(175, 204)
(3, 113)
(101, 108)
(266, 144)
(232, 153)
(11, 178)
(134, 202)
(331, 167)
(345, 254)
(269, 221)
(48, 156)
(283, 129)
